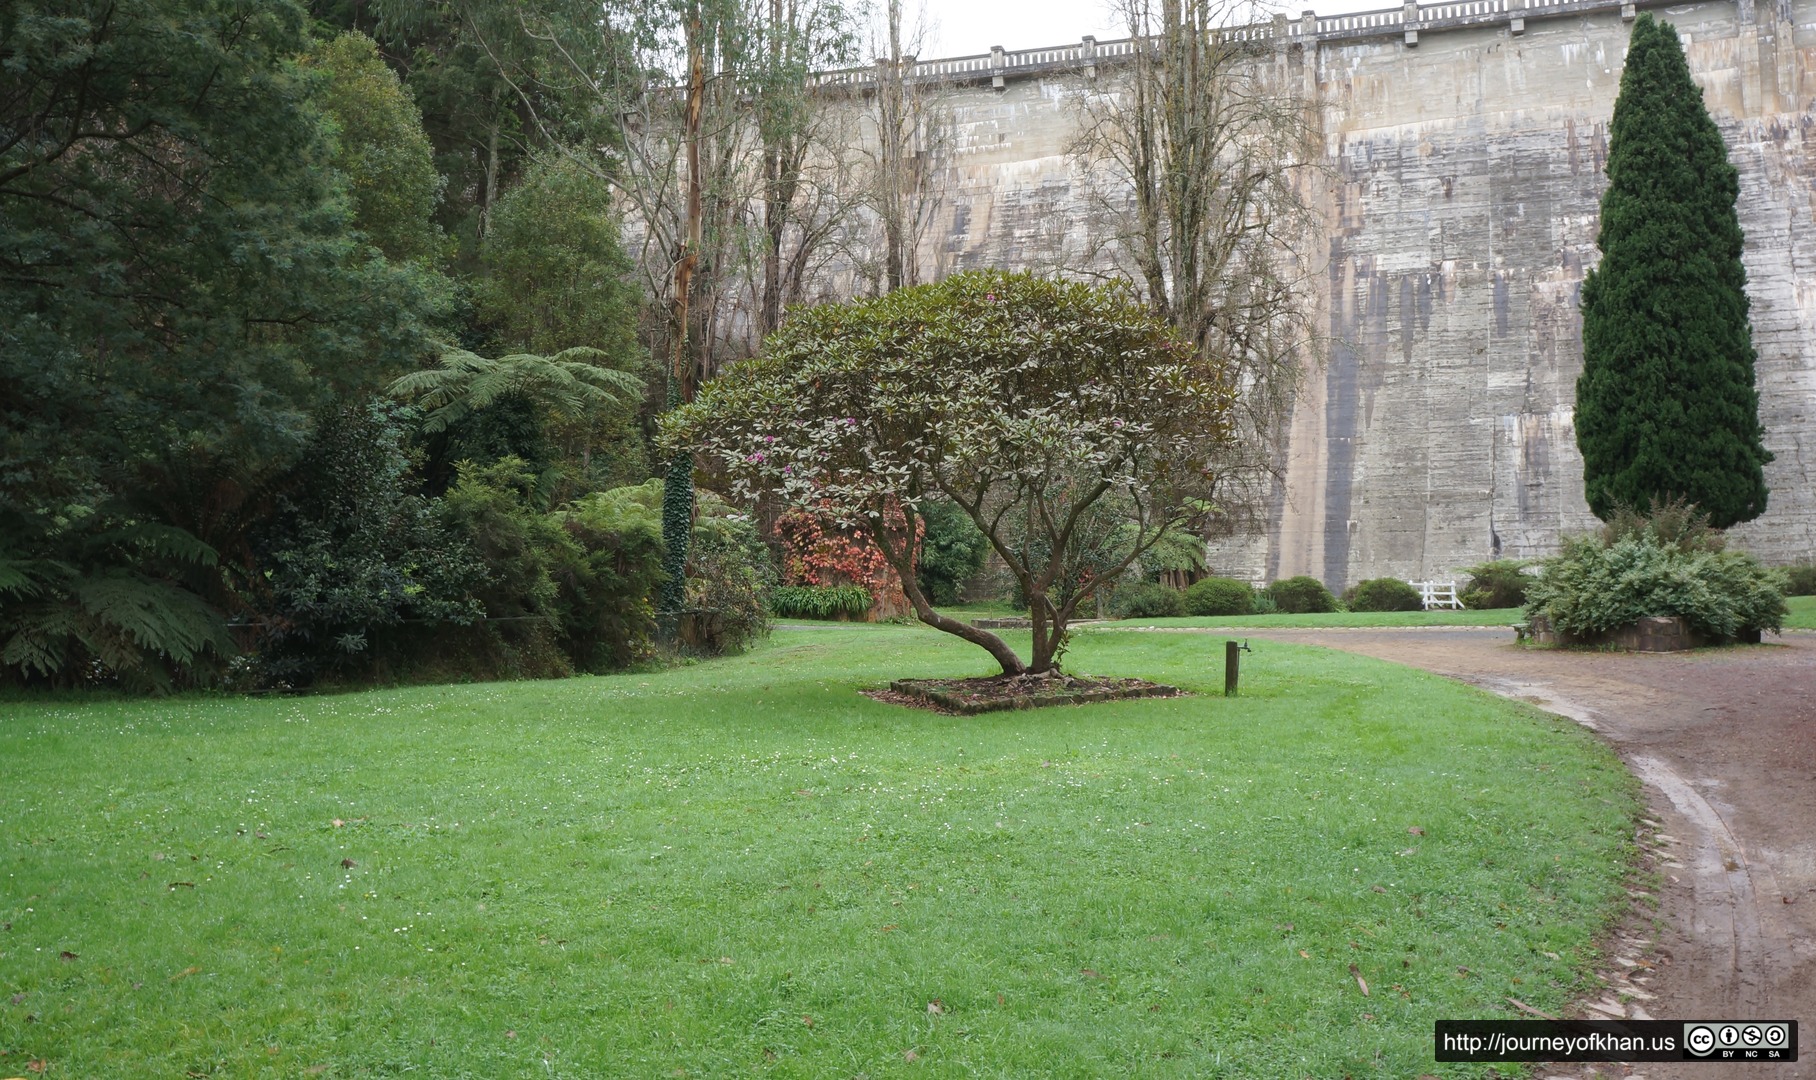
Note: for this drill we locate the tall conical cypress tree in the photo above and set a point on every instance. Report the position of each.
(1666, 406)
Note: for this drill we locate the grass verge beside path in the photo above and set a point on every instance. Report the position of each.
(1803, 612)
(744, 867)
(1466, 617)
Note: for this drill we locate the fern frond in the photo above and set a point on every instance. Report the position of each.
(569, 381)
(157, 616)
(167, 541)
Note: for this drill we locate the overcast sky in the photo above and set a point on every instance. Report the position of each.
(967, 27)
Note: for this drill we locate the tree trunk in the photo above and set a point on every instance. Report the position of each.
(889, 101)
(678, 496)
(1049, 635)
(902, 562)
(490, 193)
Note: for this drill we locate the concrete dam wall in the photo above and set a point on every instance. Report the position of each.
(1465, 145)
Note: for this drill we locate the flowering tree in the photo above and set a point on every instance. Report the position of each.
(1027, 403)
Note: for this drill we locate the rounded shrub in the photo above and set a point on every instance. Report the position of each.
(1498, 584)
(1301, 596)
(1594, 586)
(1383, 594)
(1800, 579)
(1147, 600)
(1219, 596)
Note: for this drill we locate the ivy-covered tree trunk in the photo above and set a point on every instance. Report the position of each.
(1666, 406)
(678, 488)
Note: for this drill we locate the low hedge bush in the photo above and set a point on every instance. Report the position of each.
(1147, 600)
(1219, 596)
(1383, 594)
(1498, 584)
(1301, 596)
(1800, 579)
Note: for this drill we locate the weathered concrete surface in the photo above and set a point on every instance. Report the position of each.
(1461, 213)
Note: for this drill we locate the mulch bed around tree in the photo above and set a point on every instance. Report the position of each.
(968, 697)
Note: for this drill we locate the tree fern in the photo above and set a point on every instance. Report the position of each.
(569, 382)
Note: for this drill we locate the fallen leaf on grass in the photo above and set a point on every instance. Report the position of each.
(181, 885)
(936, 1007)
(315, 1070)
(510, 1034)
(1416, 831)
(186, 973)
(1305, 954)
(37, 1065)
(886, 929)
(910, 1055)
(1360, 981)
(807, 1020)
(1089, 974)
(66, 956)
(338, 823)
(348, 864)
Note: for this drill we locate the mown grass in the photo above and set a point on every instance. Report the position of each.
(745, 867)
(1803, 612)
(1466, 617)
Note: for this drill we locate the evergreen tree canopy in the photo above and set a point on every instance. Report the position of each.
(181, 293)
(1666, 406)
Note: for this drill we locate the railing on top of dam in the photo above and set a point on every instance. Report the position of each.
(1407, 20)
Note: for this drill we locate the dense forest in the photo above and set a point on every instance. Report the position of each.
(323, 352)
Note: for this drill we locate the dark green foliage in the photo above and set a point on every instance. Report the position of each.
(1382, 594)
(1219, 596)
(381, 148)
(1666, 405)
(556, 274)
(1301, 596)
(1800, 579)
(1674, 522)
(677, 530)
(557, 278)
(181, 292)
(952, 550)
(731, 573)
(1595, 586)
(821, 601)
(112, 607)
(356, 562)
(607, 620)
(569, 590)
(177, 272)
(1497, 584)
(1147, 600)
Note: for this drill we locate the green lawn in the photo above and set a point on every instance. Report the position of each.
(744, 867)
(1803, 612)
(1490, 617)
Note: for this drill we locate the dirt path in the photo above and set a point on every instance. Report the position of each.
(1725, 742)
